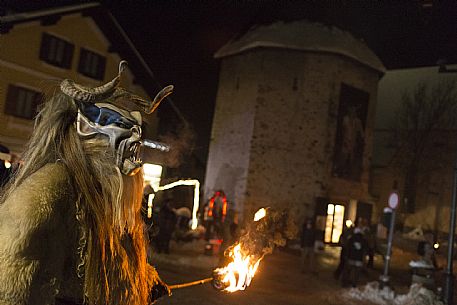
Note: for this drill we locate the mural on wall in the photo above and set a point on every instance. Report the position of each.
(350, 133)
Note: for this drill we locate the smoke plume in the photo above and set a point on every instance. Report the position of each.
(181, 145)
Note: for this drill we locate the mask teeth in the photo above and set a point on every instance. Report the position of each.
(135, 148)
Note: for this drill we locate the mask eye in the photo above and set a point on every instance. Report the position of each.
(124, 124)
(105, 116)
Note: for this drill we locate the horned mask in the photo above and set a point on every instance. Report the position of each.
(103, 110)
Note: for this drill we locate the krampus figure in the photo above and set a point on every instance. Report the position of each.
(70, 224)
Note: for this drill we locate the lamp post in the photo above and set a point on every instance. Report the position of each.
(449, 283)
(393, 204)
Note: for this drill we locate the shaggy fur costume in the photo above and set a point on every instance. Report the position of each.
(38, 238)
(70, 223)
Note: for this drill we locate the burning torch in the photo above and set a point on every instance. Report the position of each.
(245, 255)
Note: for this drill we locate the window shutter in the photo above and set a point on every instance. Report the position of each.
(82, 61)
(68, 55)
(37, 101)
(45, 39)
(11, 99)
(91, 64)
(101, 67)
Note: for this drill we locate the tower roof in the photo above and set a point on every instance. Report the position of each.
(303, 36)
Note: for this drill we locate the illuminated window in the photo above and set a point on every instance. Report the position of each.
(334, 223)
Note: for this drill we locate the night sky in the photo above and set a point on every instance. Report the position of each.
(178, 39)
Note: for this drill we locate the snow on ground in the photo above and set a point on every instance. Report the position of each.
(372, 292)
(280, 282)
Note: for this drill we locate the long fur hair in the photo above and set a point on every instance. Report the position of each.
(112, 244)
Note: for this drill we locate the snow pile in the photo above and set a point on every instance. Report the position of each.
(371, 292)
(416, 234)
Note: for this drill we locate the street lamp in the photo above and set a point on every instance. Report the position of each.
(449, 285)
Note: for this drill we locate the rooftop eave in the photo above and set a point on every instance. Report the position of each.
(36, 15)
(228, 50)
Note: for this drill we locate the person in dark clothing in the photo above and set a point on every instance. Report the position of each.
(427, 253)
(307, 240)
(356, 250)
(370, 237)
(167, 223)
(342, 242)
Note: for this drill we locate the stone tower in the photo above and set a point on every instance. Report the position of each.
(293, 120)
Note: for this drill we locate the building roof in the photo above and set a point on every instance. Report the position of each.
(120, 42)
(304, 36)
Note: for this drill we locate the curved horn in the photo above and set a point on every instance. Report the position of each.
(86, 94)
(148, 105)
(158, 98)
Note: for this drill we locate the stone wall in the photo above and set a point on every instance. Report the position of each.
(274, 129)
(231, 135)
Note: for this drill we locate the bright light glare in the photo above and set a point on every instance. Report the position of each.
(196, 185)
(152, 170)
(330, 209)
(150, 199)
(152, 174)
(7, 164)
(348, 223)
(260, 214)
(436, 245)
(338, 223)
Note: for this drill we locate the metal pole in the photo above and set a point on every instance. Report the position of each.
(449, 285)
(385, 277)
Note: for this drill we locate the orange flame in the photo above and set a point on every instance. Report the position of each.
(237, 275)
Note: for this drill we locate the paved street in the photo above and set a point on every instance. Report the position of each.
(278, 280)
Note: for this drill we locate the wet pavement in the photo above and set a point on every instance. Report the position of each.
(278, 280)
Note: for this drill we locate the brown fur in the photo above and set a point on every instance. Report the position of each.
(112, 247)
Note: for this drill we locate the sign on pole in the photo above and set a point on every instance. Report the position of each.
(393, 204)
(393, 200)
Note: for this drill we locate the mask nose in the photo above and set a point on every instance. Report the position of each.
(136, 130)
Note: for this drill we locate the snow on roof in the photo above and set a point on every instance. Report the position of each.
(306, 36)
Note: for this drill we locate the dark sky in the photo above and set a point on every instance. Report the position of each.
(178, 39)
